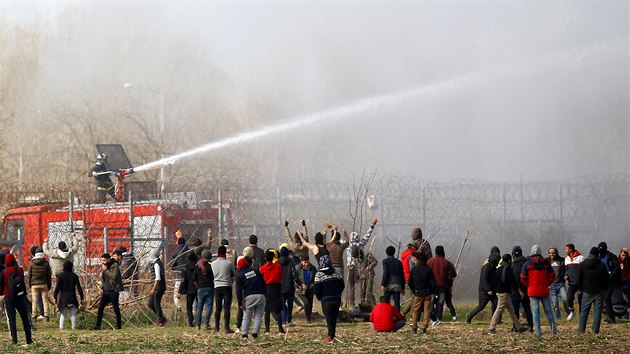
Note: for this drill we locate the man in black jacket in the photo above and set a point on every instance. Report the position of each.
(593, 282)
(250, 295)
(204, 281)
(393, 282)
(611, 262)
(129, 272)
(505, 282)
(487, 287)
(187, 287)
(304, 281)
(422, 285)
(519, 292)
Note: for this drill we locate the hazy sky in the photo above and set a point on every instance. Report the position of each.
(538, 89)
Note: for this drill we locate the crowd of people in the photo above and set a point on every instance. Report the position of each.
(267, 284)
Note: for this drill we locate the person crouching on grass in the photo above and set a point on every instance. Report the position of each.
(385, 317)
(328, 288)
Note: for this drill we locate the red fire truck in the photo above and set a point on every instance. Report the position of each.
(140, 226)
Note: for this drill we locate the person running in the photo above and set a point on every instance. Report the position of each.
(15, 297)
(251, 296)
(487, 287)
(328, 288)
(572, 264)
(111, 281)
(504, 284)
(68, 284)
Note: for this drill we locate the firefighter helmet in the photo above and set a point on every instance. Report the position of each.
(101, 157)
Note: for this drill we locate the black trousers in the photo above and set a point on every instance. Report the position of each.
(273, 305)
(222, 301)
(155, 304)
(517, 302)
(331, 313)
(190, 300)
(484, 299)
(307, 301)
(18, 305)
(109, 297)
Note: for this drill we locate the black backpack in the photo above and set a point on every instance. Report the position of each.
(16, 286)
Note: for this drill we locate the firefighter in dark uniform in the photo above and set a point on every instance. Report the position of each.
(104, 183)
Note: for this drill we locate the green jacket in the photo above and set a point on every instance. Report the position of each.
(39, 272)
(112, 279)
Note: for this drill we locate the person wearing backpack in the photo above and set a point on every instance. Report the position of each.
(13, 287)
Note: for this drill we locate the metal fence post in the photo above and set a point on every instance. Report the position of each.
(221, 223)
(105, 240)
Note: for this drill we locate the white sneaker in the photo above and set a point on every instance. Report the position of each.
(292, 323)
(237, 330)
(436, 323)
(454, 318)
(40, 318)
(570, 316)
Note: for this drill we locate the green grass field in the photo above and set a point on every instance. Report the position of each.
(355, 337)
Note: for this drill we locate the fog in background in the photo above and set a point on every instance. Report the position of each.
(533, 90)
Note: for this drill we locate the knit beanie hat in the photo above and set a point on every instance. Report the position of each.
(517, 251)
(594, 251)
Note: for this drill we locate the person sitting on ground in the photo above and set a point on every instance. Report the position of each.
(385, 317)
(68, 284)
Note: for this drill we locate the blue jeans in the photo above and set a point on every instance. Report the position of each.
(535, 302)
(396, 296)
(287, 306)
(205, 296)
(589, 299)
(558, 292)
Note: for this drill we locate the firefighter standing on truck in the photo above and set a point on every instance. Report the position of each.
(101, 171)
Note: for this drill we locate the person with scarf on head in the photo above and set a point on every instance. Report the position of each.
(250, 295)
(611, 262)
(328, 288)
(204, 281)
(272, 275)
(593, 282)
(14, 302)
(187, 287)
(158, 280)
(537, 274)
(224, 273)
(65, 294)
(111, 286)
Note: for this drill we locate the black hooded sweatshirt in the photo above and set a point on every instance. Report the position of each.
(592, 275)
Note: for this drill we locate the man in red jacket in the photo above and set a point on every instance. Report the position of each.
(444, 273)
(386, 318)
(537, 275)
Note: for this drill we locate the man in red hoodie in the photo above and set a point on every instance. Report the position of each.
(386, 318)
(537, 275)
(15, 302)
(444, 273)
